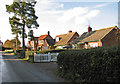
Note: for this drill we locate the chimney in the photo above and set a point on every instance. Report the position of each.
(48, 32)
(89, 29)
(70, 31)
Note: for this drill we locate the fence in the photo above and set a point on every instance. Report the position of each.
(45, 57)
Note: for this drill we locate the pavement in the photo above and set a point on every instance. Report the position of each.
(16, 70)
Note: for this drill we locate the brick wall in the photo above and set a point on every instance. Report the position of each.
(111, 38)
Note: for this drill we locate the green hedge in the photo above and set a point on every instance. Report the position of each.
(92, 65)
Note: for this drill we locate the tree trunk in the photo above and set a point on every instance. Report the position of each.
(23, 38)
(16, 45)
(16, 41)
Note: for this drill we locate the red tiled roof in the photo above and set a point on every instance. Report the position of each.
(42, 37)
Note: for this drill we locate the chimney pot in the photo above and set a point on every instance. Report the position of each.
(70, 31)
(48, 32)
(89, 29)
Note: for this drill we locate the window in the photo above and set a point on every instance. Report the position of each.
(41, 41)
(93, 45)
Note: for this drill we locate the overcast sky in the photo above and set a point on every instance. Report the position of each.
(59, 17)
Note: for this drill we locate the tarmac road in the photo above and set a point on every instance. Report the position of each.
(15, 70)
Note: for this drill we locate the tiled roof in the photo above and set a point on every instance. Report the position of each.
(66, 38)
(42, 37)
(84, 35)
(98, 34)
(62, 35)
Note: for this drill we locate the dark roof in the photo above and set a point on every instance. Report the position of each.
(50, 42)
(84, 35)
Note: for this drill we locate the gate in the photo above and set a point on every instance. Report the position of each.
(45, 57)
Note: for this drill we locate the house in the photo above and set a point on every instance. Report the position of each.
(98, 38)
(58, 37)
(33, 43)
(11, 44)
(64, 40)
(45, 42)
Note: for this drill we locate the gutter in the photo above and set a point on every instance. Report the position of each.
(88, 41)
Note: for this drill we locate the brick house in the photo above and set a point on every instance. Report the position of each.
(64, 40)
(42, 42)
(33, 43)
(45, 41)
(98, 38)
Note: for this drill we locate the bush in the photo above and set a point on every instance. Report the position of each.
(18, 51)
(22, 54)
(90, 65)
(31, 58)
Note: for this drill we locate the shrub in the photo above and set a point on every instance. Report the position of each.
(31, 58)
(21, 54)
(90, 65)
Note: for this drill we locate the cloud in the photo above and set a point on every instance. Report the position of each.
(92, 14)
(101, 5)
(78, 15)
(72, 13)
(44, 5)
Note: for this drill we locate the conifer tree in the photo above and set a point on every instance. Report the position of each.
(23, 16)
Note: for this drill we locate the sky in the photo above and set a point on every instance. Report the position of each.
(60, 16)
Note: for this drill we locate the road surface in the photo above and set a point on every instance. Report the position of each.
(15, 70)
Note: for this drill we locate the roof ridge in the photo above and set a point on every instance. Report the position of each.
(108, 32)
(104, 32)
(71, 35)
(64, 40)
(106, 28)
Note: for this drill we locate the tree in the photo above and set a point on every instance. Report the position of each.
(11, 43)
(15, 30)
(24, 16)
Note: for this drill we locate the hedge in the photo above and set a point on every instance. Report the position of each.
(91, 65)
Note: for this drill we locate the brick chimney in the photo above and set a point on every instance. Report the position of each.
(48, 32)
(70, 31)
(89, 29)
